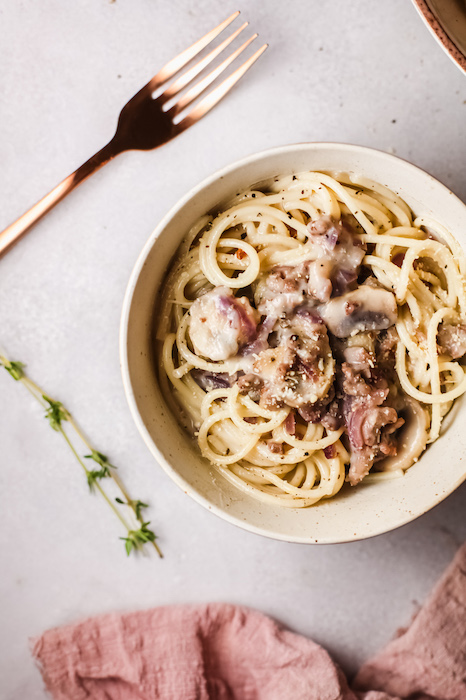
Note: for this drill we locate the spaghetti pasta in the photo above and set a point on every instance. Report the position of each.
(313, 330)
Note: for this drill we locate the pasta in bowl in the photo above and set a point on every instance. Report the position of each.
(314, 326)
(309, 333)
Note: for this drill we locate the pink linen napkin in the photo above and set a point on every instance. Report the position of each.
(225, 652)
(429, 658)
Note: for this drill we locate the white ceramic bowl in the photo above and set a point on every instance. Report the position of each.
(357, 512)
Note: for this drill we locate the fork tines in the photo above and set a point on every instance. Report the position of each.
(174, 66)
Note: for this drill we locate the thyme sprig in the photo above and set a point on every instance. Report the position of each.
(102, 473)
(135, 505)
(138, 538)
(57, 415)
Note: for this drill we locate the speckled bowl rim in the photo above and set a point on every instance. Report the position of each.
(440, 34)
(156, 450)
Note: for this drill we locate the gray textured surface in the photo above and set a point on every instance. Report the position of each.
(360, 72)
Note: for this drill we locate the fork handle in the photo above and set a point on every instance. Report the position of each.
(17, 229)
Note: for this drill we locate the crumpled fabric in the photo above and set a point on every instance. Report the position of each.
(226, 652)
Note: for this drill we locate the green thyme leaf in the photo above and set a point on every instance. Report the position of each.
(144, 534)
(56, 413)
(137, 506)
(15, 369)
(95, 474)
(128, 544)
(137, 538)
(100, 459)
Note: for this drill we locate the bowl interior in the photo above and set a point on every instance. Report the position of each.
(446, 19)
(357, 512)
(452, 16)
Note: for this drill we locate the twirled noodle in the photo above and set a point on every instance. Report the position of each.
(417, 259)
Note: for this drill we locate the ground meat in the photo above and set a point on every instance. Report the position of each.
(374, 420)
(398, 259)
(252, 385)
(299, 370)
(330, 452)
(285, 279)
(314, 412)
(387, 444)
(275, 368)
(359, 358)
(213, 380)
(335, 254)
(282, 290)
(275, 447)
(385, 347)
(290, 423)
(332, 419)
(366, 427)
(286, 287)
(371, 422)
(354, 384)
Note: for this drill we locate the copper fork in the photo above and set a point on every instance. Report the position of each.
(148, 121)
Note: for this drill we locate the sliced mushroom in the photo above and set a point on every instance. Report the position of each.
(412, 437)
(366, 308)
(221, 323)
(451, 340)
